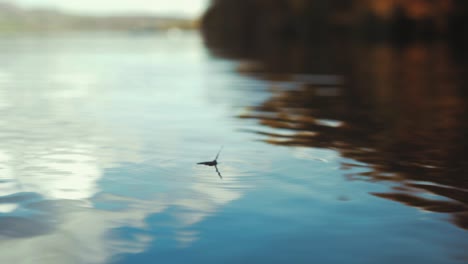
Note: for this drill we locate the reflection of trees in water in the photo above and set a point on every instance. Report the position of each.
(401, 110)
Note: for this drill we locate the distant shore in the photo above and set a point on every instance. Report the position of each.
(17, 19)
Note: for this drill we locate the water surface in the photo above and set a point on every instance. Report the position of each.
(100, 136)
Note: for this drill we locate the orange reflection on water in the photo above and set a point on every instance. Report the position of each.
(400, 110)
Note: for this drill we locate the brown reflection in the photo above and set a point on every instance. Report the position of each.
(399, 107)
(402, 111)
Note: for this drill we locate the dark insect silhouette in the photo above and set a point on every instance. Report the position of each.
(213, 163)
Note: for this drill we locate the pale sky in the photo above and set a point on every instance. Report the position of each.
(189, 8)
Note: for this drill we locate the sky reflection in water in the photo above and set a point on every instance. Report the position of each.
(100, 136)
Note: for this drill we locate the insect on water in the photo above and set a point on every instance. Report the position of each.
(213, 163)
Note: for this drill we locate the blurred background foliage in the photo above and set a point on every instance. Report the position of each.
(256, 23)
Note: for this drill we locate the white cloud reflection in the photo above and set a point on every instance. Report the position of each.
(55, 152)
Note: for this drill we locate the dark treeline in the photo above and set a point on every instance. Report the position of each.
(254, 23)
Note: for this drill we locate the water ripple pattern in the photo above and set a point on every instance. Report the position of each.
(83, 153)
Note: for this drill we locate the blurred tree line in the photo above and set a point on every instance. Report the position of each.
(242, 21)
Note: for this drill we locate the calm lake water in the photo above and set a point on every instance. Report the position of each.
(100, 135)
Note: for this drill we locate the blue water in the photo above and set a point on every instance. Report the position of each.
(99, 139)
